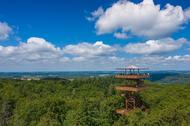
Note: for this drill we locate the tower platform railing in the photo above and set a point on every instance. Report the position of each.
(130, 88)
(132, 76)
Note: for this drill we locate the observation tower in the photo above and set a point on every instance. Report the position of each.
(135, 83)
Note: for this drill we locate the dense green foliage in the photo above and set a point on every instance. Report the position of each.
(89, 102)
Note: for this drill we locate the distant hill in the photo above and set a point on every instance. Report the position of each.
(156, 76)
(175, 77)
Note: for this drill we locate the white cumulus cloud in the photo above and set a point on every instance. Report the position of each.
(187, 13)
(35, 49)
(121, 35)
(179, 58)
(5, 30)
(39, 54)
(89, 50)
(95, 14)
(142, 19)
(155, 46)
(157, 62)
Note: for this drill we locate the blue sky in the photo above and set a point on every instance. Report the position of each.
(64, 35)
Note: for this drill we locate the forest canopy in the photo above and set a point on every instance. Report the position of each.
(89, 102)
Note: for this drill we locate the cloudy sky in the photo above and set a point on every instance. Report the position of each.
(72, 35)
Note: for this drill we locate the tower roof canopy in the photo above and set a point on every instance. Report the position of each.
(132, 67)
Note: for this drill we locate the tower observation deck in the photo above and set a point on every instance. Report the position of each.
(135, 83)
